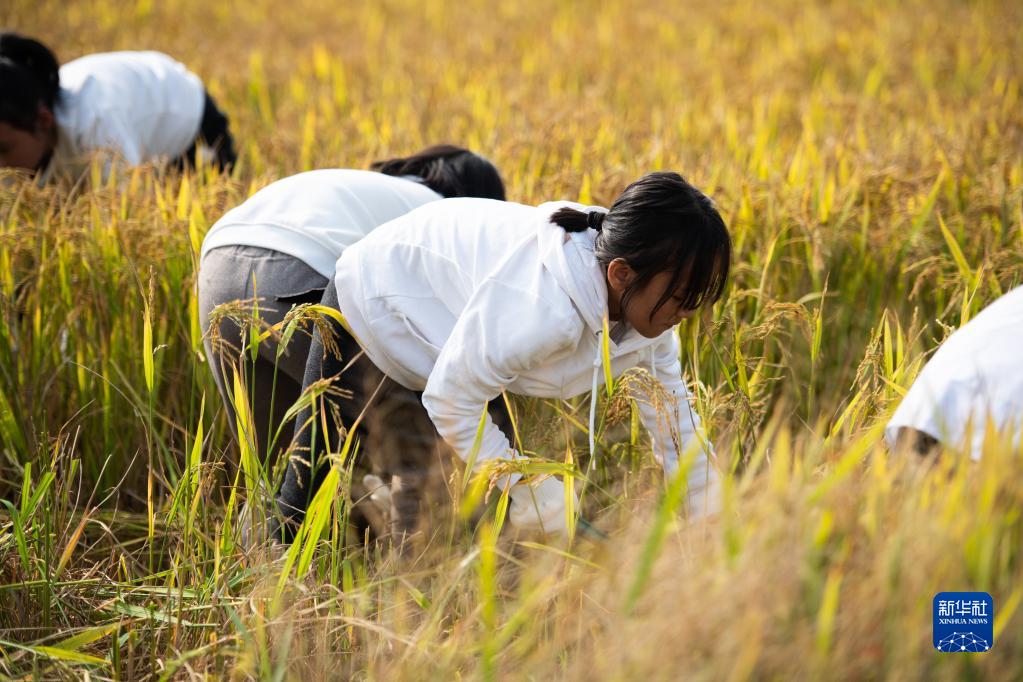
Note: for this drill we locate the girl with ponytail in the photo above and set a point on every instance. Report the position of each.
(461, 300)
(140, 106)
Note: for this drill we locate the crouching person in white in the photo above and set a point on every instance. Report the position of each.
(463, 299)
(143, 107)
(974, 379)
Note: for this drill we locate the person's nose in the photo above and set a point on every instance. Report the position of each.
(683, 315)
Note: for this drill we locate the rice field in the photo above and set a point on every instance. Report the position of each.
(868, 159)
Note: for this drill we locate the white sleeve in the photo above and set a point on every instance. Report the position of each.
(501, 332)
(675, 428)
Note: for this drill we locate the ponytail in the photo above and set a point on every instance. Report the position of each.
(571, 220)
(29, 77)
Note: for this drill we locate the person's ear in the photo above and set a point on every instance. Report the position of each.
(620, 275)
(44, 119)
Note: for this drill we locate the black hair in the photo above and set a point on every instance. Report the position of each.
(661, 223)
(29, 77)
(449, 171)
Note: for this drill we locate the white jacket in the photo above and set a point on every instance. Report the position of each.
(464, 298)
(143, 106)
(313, 216)
(976, 375)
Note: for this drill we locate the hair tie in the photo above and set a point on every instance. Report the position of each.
(595, 219)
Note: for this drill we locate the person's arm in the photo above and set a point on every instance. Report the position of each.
(675, 429)
(501, 332)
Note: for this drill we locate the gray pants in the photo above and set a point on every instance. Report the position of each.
(278, 281)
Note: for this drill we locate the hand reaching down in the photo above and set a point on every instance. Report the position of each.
(539, 505)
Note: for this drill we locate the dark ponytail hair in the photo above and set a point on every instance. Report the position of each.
(449, 171)
(29, 77)
(661, 223)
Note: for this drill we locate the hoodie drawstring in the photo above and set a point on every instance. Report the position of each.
(598, 360)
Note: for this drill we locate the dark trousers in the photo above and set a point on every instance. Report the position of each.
(214, 132)
(395, 433)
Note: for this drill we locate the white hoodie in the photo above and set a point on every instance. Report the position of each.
(464, 298)
(976, 375)
(314, 216)
(143, 106)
